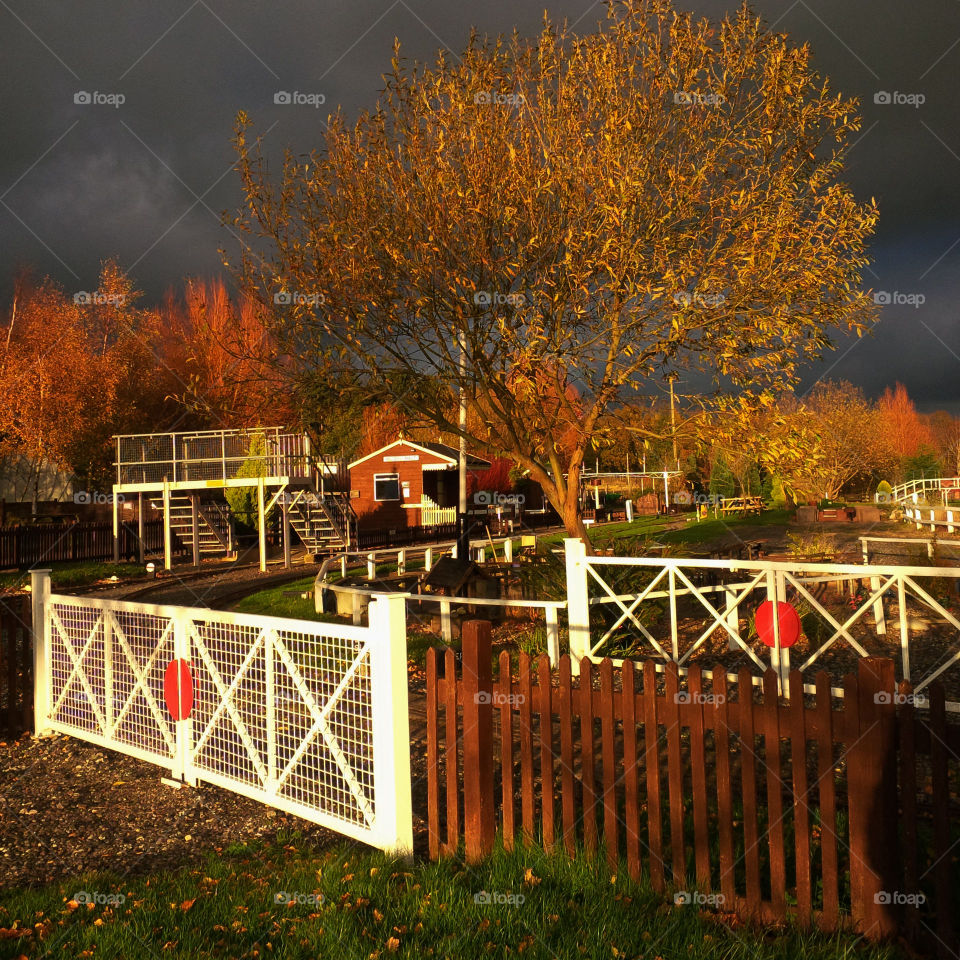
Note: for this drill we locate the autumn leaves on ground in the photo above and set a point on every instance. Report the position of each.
(288, 900)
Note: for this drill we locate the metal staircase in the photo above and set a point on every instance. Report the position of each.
(323, 522)
(215, 525)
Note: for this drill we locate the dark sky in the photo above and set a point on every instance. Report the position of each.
(146, 181)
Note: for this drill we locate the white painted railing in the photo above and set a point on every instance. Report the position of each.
(727, 607)
(308, 717)
(933, 517)
(926, 489)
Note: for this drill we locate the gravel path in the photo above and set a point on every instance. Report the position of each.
(68, 808)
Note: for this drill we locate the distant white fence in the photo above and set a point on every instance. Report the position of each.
(727, 607)
(933, 517)
(310, 718)
(927, 490)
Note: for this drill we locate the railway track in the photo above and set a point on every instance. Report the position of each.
(216, 589)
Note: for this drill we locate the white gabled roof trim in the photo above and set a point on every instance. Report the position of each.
(406, 443)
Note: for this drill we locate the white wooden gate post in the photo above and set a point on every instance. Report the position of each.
(167, 538)
(393, 806)
(578, 601)
(262, 524)
(40, 598)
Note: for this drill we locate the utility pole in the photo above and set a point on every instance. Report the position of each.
(673, 421)
(463, 531)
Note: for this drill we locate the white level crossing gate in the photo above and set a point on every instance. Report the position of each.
(310, 718)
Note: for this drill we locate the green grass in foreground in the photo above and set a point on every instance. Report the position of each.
(75, 574)
(373, 906)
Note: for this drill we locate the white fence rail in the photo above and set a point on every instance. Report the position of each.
(899, 592)
(310, 718)
(933, 517)
(926, 490)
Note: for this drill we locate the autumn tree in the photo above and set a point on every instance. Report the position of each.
(224, 362)
(74, 371)
(598, 211)
(848, 436)
(903, 429)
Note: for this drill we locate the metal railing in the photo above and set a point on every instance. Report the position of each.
(206, 455)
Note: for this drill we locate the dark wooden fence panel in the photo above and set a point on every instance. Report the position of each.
(16, 666)
(30, 545)
(770, 807)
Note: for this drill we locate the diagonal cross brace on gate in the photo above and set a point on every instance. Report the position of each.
(672, 579)
(222, 739)
(321, 726)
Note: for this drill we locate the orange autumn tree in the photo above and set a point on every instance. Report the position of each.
(224, 362)
(73, 371)
(904, 431)
(611, 209)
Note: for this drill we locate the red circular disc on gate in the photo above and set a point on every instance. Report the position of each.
(789, 623)
(178, 689)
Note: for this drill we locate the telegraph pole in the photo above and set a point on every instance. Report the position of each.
(463, 531)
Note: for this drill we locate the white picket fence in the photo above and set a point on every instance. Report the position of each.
(727, 606)
(310, 718)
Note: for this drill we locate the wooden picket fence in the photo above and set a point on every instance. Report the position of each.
(16, 666)
(834, 813)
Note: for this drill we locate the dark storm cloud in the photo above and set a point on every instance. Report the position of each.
(147, 180)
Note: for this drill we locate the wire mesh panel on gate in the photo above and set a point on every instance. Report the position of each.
(285, 715)
(106, 676)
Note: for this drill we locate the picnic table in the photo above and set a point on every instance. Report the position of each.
(740, 505)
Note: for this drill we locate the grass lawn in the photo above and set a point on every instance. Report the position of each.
(272, 602)
(351, 902)
(682, 528)
(75, 574)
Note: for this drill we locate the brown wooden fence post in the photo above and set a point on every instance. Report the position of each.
(874, 827)
(478, 813)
